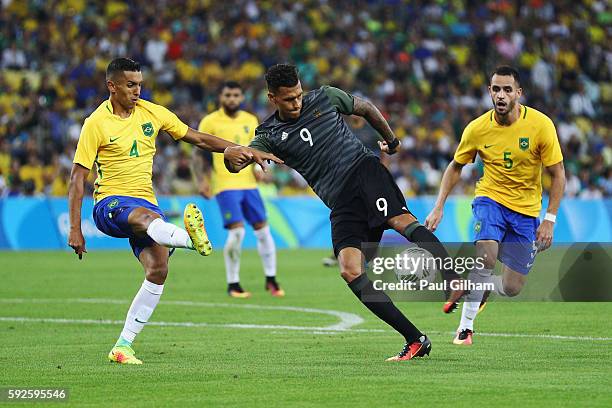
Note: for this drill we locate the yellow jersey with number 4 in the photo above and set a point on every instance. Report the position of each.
(240, 130)
(123, 149)
(513, 157)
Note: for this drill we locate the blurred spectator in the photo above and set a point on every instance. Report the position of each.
(182, 180)
(425, 64)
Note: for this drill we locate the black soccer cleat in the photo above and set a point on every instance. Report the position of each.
(463, 338)
(452, 302)
(235, 290)
(419, 348)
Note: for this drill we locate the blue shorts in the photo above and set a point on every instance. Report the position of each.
(237, 205)
(515, 232)
(111, 217)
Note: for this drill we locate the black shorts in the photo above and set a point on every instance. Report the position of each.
(368, 200)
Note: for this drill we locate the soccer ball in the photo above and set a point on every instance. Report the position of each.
(416, 265)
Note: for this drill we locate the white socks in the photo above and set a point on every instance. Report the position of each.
(231, 254)
(141, 309)
(473, 299)
(168, 235)
(267, 250)
(233, 249)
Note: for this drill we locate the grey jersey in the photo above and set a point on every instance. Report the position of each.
(319, 145)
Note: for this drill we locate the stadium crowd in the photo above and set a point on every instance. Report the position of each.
(424, 64)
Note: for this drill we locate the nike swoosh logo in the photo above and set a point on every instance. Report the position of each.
(112, 140)
(487, 146)
(139, 321)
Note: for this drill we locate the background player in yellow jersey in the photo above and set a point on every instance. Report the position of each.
(119, 137)
(514, 142)
(237, 194)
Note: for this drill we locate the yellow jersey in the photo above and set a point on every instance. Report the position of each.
(513, 157)
(239, 130)
(123, 149)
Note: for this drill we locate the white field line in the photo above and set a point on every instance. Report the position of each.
(347, 320)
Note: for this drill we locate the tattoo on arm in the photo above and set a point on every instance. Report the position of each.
(367, 110)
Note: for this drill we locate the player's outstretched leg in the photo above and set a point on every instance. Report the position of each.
(417, 344)
(194, 224)
(410, 228)
(144, 221)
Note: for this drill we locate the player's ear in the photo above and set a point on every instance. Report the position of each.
(271, 97)
(519, 92)
(110, 85)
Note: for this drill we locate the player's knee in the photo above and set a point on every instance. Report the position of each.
(512, 289)
(259, 225)
(146, 219)
(349, 274)
(489, 262)
(140, 220)
(157, 272)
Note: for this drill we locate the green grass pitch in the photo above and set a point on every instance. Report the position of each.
(237, 352)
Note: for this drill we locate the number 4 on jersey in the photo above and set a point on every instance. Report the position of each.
(134, 149)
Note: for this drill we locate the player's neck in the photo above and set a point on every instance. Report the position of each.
(510, 118)
(280, 117)
(119, 110)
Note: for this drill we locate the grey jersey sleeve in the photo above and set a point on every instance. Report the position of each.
(261, 142)
(343, 101)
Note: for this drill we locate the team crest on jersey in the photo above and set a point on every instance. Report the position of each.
(113, 203)
(477, 226)
(316, 113)
(148, 129)
(524, 143)
(284, 136)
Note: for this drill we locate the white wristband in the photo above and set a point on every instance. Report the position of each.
(550, 217)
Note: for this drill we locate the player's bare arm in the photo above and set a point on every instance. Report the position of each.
(237, 158)
(449, 181)
(78, 176)
(366, 109)
(544, 234)
(207, 141)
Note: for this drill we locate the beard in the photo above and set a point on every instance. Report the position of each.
(505, 109)
(231, 109)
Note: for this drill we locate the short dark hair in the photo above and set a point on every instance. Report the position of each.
(507, 70)
(281, 75)
(120, 65)
(230, 85)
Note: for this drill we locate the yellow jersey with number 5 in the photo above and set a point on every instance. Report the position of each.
(123, 149)
(240, 130)
(513, 157)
